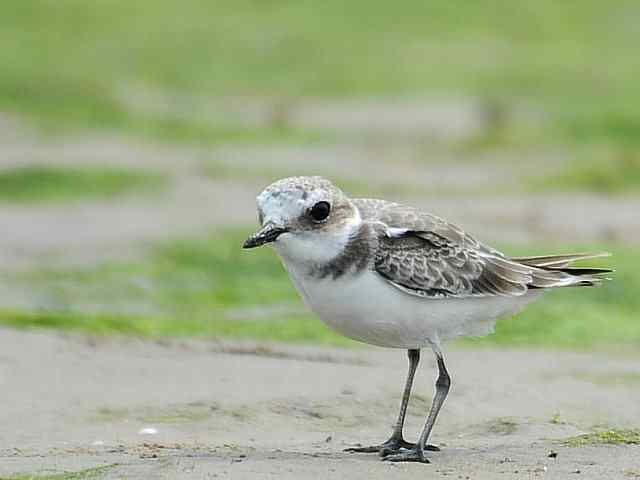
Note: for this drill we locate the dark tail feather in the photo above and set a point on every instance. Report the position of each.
(578, 271)
(551, 271)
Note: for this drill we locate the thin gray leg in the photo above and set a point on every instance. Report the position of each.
(414, 359)
(443, 383)
(397, 441)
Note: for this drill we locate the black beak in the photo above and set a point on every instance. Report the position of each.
(267, 234)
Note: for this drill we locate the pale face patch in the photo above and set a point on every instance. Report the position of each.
(287, 203)
(316, 247)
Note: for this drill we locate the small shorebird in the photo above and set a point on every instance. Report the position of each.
(390, 275)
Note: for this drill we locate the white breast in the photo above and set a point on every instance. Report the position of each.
(366, 307)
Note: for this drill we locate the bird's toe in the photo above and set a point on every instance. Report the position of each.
(413, 455)
(393, 445)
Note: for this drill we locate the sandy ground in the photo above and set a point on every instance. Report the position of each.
(239, 410)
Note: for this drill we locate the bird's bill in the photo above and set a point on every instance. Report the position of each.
(267, 234)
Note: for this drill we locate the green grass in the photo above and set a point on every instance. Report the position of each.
(72, 62)
(211, 287)
(40, 183)
(502, 426)
(213, 324)
(87, 474)
(173, 414)
(194, 287)
(184, 413)
(609, 172)
(610, 377)
(608, 437)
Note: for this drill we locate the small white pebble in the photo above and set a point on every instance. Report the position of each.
(97, 443)
(147, 431)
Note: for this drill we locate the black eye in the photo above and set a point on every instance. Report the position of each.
(320, 211)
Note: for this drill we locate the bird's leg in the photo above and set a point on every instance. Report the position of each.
(397, 441)
(443, 383)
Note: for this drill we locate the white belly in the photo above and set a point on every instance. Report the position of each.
(367, 308)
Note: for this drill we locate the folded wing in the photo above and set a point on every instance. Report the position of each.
(425, 256)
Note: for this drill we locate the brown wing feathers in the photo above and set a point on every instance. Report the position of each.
(429, 257)
(427, 264)
(422, 264)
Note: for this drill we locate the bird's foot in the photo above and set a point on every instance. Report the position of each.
(403, 446)
(394, 444)
(412, 455)
(391, 446)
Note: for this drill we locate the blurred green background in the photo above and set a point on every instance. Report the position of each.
(135, 135)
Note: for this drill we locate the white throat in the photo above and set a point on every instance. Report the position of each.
(316, 247)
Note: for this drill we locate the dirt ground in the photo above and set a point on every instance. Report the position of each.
(242, 410)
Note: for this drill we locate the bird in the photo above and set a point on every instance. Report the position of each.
(393, 276)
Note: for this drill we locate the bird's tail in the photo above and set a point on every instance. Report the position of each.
(551, 271)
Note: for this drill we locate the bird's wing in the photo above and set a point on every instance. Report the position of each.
(426, 256)
(427, 264)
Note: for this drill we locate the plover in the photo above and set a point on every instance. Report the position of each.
(393, 276)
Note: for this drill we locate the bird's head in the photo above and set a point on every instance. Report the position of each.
(305, 218)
